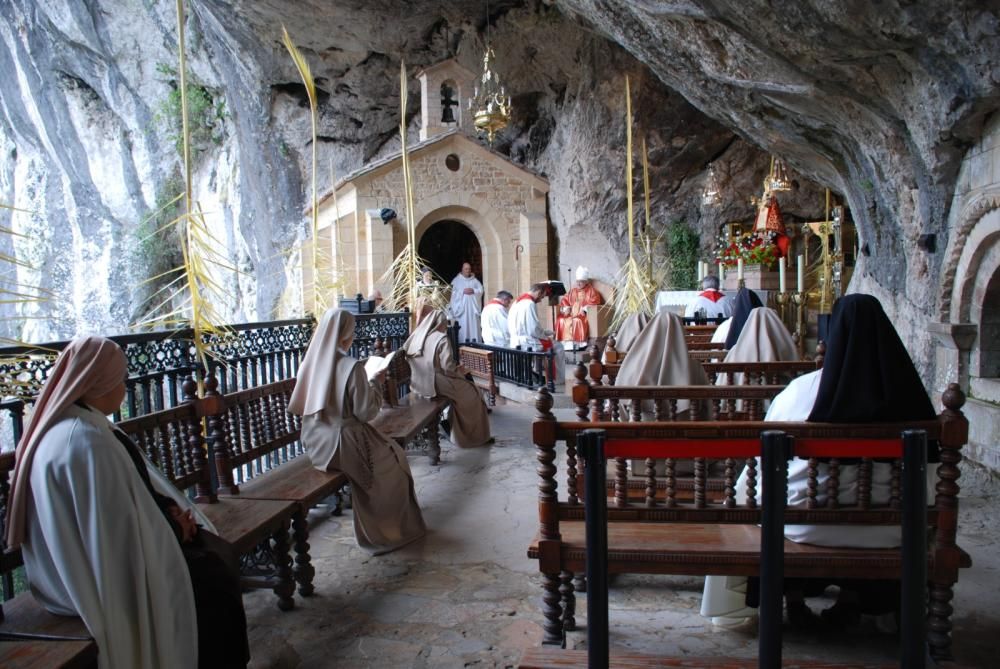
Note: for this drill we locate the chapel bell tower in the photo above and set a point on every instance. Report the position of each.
(445, 90)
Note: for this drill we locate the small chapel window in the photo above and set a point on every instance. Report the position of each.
(448, 103)
(452, 162)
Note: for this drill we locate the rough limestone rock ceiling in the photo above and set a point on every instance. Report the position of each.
(877, 100)
(880, 100)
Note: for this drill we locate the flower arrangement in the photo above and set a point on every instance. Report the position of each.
(753, 250)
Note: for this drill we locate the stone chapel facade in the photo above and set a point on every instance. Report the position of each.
(470, 202)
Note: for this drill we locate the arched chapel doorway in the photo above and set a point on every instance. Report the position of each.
(445, 245)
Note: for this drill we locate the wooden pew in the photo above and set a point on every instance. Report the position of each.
(175, 440)
(770, 373)
(255, 449)
(774, 448)
(662, 534)
(410, 420)
(479, 363)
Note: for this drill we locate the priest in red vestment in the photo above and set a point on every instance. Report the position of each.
(571, 325)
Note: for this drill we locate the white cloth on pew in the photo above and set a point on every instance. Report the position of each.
(336, 401)
(98, 546)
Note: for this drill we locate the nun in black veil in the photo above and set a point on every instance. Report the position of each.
(867, 377)
(746, 301)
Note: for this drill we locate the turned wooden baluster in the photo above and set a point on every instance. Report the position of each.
(571, 471)
(833, 484)
(699, 483)
(597, 410)
(218, 447)
(610, 352)
(670, 474)
(616, 415)
(580, 379)
(163, 445)
(753, 409)
(302, 570)
(659, 413)
(954, 435)
(543, 431)
(621, 482)
(896, 485)
(811, 485)
(196, 448)
(650, 482)
(568, 599)
(865, 484)
(820, 353)
(635, 410)
(751, 483)
(730, 501)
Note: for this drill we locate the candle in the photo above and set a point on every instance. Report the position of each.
(802, 277)
(781, 275)
(722, 273)
(739, 269)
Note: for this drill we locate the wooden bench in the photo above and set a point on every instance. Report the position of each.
(479, 363)
(257, 456)
(770, 373)
(408, 419)
(662, 534)
(174, 440)
(774, 448)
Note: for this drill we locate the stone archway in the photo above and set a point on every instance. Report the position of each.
(483, 224)
(447, 244)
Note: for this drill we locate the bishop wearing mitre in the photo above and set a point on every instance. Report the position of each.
(571, 325)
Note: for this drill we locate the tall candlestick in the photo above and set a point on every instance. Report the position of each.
(802, 276)
(739, 269)
(701, 270)
(722, 273)
(781, 275)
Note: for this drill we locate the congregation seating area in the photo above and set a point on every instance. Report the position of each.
(714, 533)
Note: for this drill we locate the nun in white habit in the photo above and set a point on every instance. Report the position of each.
(106, 537)
(336, 401)
(434, 373)
(867, 376)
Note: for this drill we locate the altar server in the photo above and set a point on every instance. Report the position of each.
(105, 536)
(496, 332)
(466, 298)
(336, 400)
(711, 302)
(434, 373)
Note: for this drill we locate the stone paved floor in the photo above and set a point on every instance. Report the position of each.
(467, 596)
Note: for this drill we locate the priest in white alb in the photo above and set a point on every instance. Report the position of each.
(711, 302)
(494, 321)
(526, 331)
(466, 298)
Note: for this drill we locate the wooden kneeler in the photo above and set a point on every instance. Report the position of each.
(776, 448)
